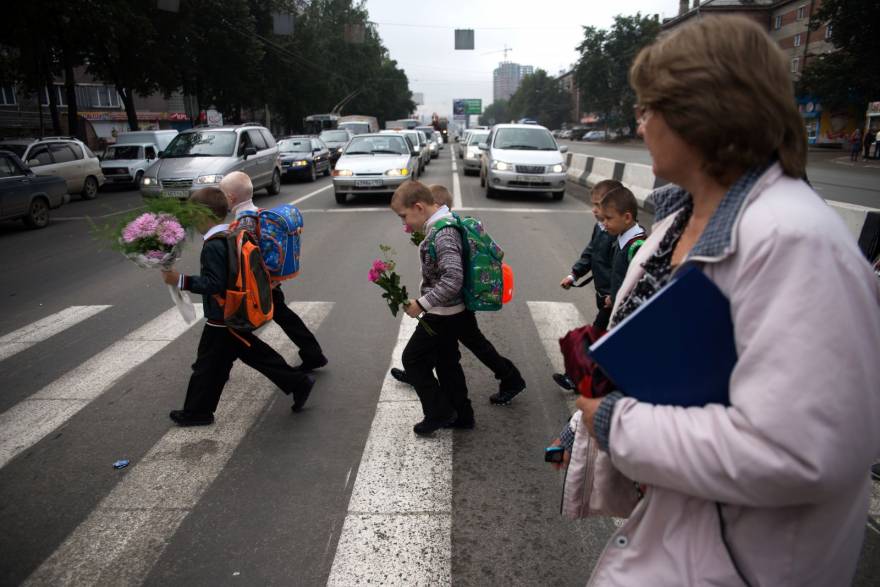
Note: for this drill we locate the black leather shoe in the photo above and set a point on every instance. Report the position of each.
(564, 381)
(301, 396)
(400, 375)
(427, 426)
(463, 423)
(309, 366)
(505, 396)
(185, 418)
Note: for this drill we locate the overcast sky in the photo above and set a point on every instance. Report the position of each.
(420, 36)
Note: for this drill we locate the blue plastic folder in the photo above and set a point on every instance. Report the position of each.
(675, 349)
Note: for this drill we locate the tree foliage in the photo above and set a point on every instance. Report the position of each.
(603, 67)
(541, 98)
(847, 76)
(497, 112)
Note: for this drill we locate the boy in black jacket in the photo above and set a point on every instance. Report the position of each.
(620, 210)
(219, 347)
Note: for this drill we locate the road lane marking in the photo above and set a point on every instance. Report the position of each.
(45, 328)
(398, 528)
(124, 536)
(310, 194)
(30, 420)
(456, 188)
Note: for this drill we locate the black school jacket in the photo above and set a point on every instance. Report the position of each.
(212, 280)
(597, 258)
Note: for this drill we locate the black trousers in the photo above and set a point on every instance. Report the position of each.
(218, 350)
(468, 333)
(604, 314)
(295, 329)
(424, 353)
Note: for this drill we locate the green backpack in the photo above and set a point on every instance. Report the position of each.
(483, 278)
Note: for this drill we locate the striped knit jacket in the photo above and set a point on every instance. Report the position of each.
(443, 277)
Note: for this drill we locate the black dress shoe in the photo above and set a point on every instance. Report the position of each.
(400, 375)
(564, 381)
(463, 423)
(301, 396)
(427, 426)
(309, 366)
(186, 418)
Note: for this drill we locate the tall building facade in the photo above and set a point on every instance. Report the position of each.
(507, 77)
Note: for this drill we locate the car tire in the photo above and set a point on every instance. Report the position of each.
(313, 174)
(38, 214)
(138, 177)
(341, 197)
(490, 192)
(90, 188)
(274, 188)
(557, 196)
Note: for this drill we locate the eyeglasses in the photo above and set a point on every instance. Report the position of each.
(642, 113)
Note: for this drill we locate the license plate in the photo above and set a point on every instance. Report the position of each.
(368, 183)
(529, 178)
(175, 194)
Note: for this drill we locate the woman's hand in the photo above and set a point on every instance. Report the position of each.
(566, 455)
(588, 407)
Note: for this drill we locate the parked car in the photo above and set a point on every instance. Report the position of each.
(126, 164)
(200, 157)
(336, 140)
(374, 164)
(594, 135)
(304, 157)
(472, 153)
(66, 157)
(28, 196)
(522, 157)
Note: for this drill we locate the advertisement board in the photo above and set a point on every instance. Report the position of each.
(464, 106)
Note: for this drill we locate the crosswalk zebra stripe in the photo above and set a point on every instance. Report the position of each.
(553, 320)
(125, 535)
(30, 420)
(43, 329)
(398, 529)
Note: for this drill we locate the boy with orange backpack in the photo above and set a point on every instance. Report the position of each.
(228, 333)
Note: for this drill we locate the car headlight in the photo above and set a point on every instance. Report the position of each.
(342, 173)
(397, 172)
(501, 166)
(148, 181)
(472, 153)
(558, 168)
(203, 179)
(300, 163)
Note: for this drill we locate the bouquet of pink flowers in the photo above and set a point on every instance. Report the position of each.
(382, 274)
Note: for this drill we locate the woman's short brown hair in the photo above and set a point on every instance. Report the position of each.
(722, 84)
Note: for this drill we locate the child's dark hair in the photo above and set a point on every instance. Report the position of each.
(411, 192)
(622, 201)
(214, 199)
(605, 186)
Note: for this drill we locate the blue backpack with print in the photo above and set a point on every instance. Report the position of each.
(279, 232)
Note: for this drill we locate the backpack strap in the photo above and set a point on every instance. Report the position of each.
(633, 245)
(438, 226)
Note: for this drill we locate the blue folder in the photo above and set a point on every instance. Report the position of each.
(675, 349)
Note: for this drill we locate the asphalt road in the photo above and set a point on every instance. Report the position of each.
(266, 497)
(831, 172)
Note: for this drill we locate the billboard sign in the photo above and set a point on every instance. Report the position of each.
(467, 106)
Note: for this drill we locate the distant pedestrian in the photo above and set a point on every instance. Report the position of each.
(855, 143)
(877, 145)
(867, 142)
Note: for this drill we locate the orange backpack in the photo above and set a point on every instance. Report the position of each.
(247, 304)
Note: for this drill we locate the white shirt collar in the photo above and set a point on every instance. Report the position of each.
(440, 213)
(628, 235)
(245, 206)
(215, 229)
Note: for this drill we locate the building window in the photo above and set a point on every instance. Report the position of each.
(797, 40)
(7, 95)
(777, 22)
(801, 12)
(60, 95)
(828, 32)
(97, 96)
(795, 64)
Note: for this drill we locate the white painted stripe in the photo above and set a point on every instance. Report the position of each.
(124, 536)
(398, 530)
(553, 320)
(43, 329)
(28, 421)
(55, 217)
(529, 210)
(310, 194)
(456, 188)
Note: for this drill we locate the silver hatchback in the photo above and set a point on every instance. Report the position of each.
(374, 164)
(201, 157)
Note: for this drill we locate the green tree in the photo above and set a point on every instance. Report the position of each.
(604, 65)
(497, 112)
(540, 97)
(847, 76)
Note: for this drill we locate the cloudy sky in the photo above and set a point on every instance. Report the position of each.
(420, 36)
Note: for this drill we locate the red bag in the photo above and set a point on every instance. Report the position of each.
(591, 381)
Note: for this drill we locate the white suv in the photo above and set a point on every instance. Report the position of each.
(65, 157)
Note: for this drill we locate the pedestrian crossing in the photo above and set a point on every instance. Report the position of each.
(397, 526)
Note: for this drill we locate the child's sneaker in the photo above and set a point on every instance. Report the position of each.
(505, 396)
(301, 395)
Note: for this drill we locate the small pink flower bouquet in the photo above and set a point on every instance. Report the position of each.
(382, 274)
(153, 240)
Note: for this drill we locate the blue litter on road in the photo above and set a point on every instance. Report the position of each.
(121, 464)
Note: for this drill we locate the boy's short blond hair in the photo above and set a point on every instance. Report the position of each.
(213, 199)
(442, 197)
(621, 200)
(409, 193)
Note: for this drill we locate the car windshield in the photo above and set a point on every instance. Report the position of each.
(295, 146)
(429, 132)
(475, 138)
(201, 144)
(16, 148)
(334, 136)
(371, 145)
(122, 152)
(528, 139)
